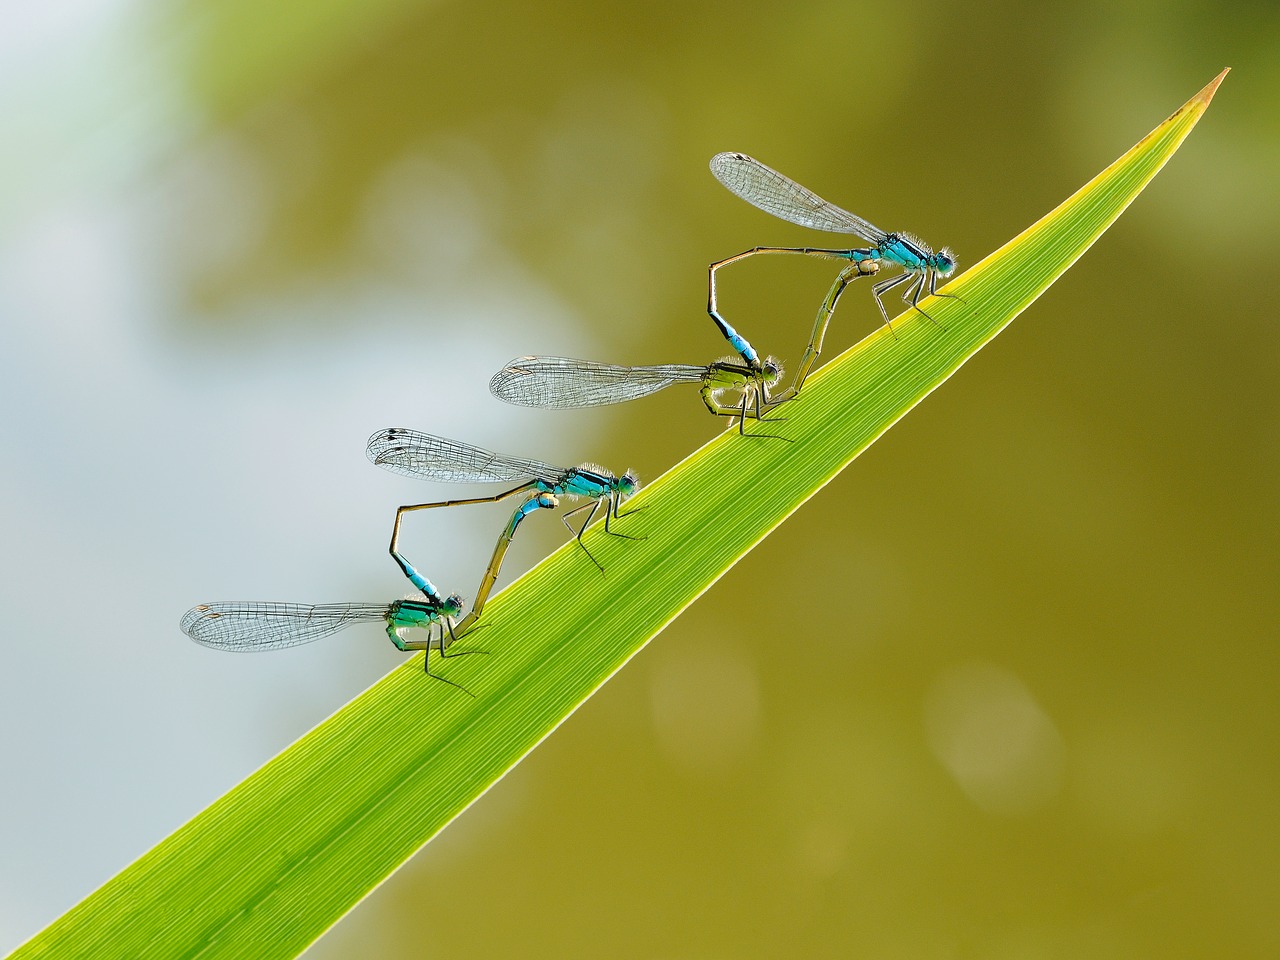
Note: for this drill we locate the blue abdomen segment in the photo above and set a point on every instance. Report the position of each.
(421, 582)
(736, 340)
(526, 508)
(739, 343)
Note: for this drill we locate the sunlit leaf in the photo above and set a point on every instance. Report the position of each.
(268, 868)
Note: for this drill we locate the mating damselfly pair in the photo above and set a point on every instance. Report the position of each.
(542, 381)
(559, 382)
(269, 625)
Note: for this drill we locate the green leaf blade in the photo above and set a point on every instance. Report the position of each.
(269, 867)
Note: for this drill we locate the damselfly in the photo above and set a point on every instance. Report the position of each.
(782, 197)
(427, 457)
(564, 382)
(274, 626)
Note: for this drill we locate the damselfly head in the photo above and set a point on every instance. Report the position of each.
(771, 370)
(944, 262)
(451, 605)
(628, 483)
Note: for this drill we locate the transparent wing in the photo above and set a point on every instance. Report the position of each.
(781, 196)
(426, 457)
(564, 382)
(273, 626)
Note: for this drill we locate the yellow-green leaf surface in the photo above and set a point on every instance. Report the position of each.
(268, 868)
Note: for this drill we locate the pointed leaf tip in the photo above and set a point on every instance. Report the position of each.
(1205, 95)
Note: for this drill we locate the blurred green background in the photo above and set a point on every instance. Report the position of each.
(1005, 689)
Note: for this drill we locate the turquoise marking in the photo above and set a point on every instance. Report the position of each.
(895, 251)
(736, 340)
(421, 582)
(417, 579)
(403, 616)
(412, 613)
(577, 484)
(542, 501)
(580, 482)
(747, 352)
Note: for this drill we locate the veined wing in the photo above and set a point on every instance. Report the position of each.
(272, 626)
(781, 196)
(427, 457)
(565, 382)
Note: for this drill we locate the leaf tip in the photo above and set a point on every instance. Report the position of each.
(1205, 95)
